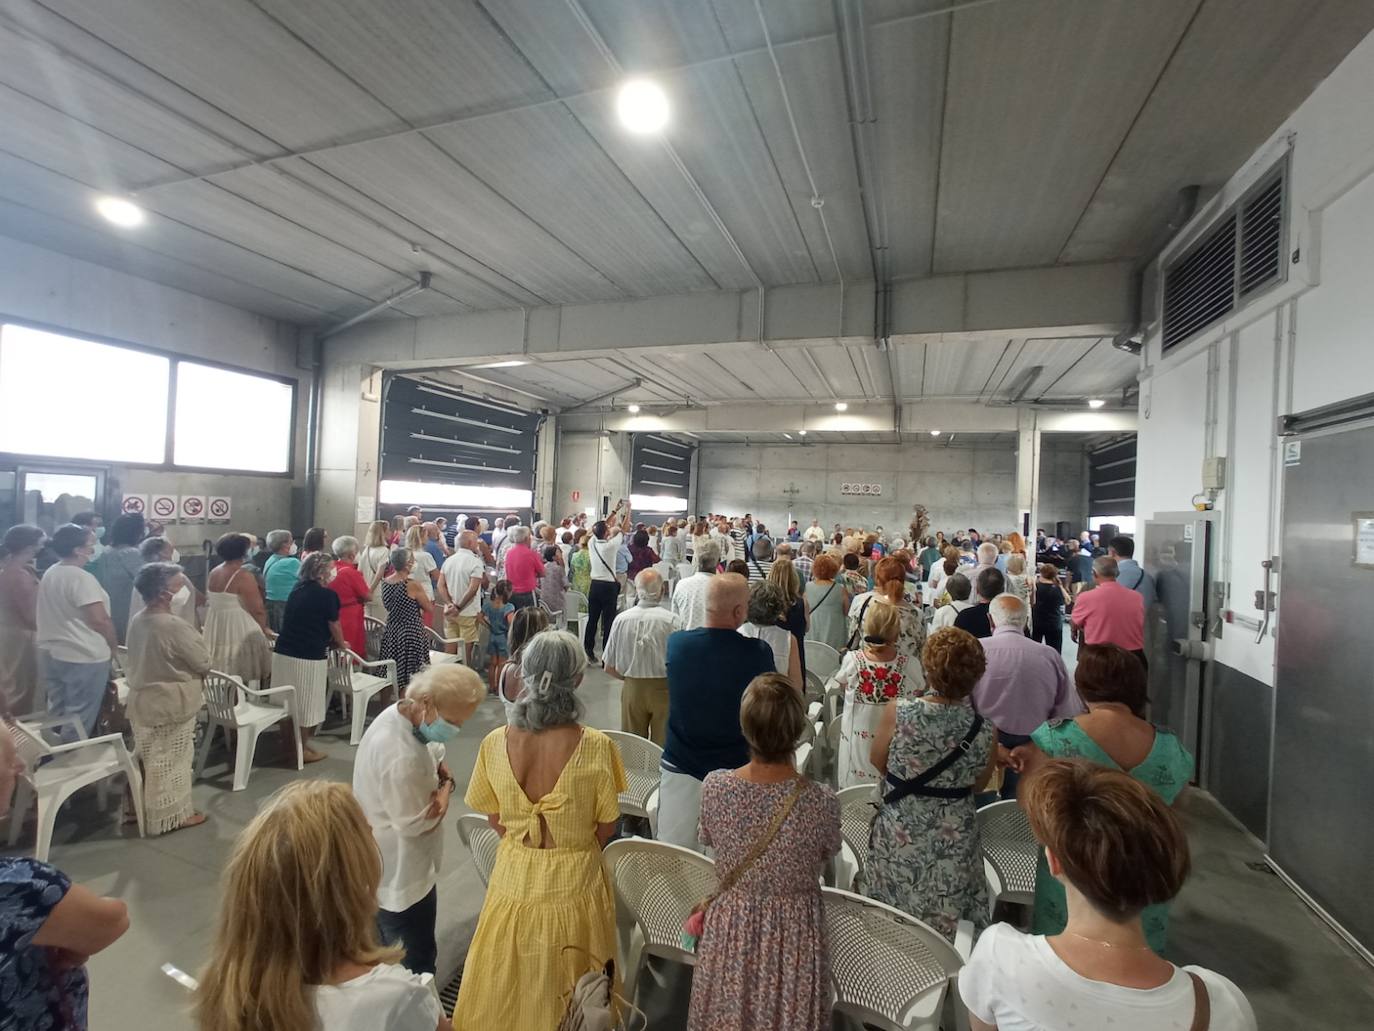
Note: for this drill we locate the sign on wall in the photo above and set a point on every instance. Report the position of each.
(134, 504)
(163, 507)
(192, 508)
(870, 490)
(220, 509)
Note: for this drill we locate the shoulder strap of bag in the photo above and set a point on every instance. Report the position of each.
(858, 634)
(917, 785)
(1139, 579)
(733, 875)
(1202, 1004)
(602, 557)
(824, 596)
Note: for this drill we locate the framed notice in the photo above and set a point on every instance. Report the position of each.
(1364, 539)
(219, 509)
(192, 508)
(134, 504)
(163, 508)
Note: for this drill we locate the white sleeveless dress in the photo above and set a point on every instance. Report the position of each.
(236, 642)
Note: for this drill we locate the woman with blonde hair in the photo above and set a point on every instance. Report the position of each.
(296, 946)
(373, 558)
(1018, 581)
(796, 614)
(423, 570)
(870, 677)
(889, 588)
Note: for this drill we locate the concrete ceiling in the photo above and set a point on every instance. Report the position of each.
(307, 158)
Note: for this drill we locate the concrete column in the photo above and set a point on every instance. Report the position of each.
(1027, 469)
(545, 466)
(350, 440)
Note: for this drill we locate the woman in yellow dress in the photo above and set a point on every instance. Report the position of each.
(550, 788)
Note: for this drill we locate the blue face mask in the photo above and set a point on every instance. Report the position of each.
(438, 732)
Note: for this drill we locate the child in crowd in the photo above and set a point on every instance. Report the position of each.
(497, 613)
(553, 582)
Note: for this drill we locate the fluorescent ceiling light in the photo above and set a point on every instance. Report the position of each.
(512, 363)
(1096, 402)
(633, 409)
(841, 406)
(642, 106)
(802, 432)
(119, 210)
(934, 433)
(788, 436)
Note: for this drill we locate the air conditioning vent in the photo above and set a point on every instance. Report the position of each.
(1261, 237)
(1240, 255)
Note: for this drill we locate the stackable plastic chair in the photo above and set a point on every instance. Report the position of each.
(657, 885)
(822, 660)
(482, 841)
(374, 628)
(437, 655)
(685, 569)
(858, 807)
(1010, 852)
(52, 773)
(575, 611)
(349, 681)
(891, 971)
(233, 706)
(640, 757)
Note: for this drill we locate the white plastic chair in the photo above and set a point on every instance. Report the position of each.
(374, 628)
(247, 717)
(482, 841)
(641, 758)
(685, 569)
(858, 807)
(1010, 852)
(437, 655)
(348, 681)
(890, 970)
(802, 757)
(52, 773)
(822, 659)
(575, 611)
(657, 885)
(832, 747)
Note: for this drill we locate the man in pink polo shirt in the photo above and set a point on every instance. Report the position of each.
(523, 567)
(1110, 613)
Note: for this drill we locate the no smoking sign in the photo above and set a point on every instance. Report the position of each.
(164, 506)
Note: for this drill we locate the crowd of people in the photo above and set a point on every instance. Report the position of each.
(952, 692)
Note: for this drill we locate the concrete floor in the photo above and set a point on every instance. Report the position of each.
(1231, 917)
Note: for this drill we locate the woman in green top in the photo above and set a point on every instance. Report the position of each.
(281, 572)
(1113, 733)
(580, 565)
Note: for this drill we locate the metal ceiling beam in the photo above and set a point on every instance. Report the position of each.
(380, 306)
(602, 397)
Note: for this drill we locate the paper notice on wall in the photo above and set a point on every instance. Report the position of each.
(1364, 539)
(367, 508)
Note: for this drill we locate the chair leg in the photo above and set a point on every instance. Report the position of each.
(23, 798)
(136, 790)
(203, 753)
(359, 718)
(295, 732)
(243, 756)
(48, 805)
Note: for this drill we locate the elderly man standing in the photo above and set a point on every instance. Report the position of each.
(1110, 613)
(689, 599)
(708, 670)
(464, 574)
(1025, 683)
(976, 619)
(636, 652)
(523, 567)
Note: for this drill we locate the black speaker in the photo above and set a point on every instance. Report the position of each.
(1106, 532)
(1063, 530)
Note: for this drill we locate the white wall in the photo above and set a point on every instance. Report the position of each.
(592, 464)
(44, 286)
(1304, 344)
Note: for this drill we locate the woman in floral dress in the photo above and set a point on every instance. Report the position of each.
(870, 678)
(924, 856)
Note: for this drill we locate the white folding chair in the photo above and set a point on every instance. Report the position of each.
(891, 971)
(640, 757)
(657, 885)
(482, 841)
(822, 659)
(52, 773)
(575, 611)
(247, 717)
(350, 683)
(1010, 852)
(858, 807)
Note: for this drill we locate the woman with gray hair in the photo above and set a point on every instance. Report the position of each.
(165, 668)
(160, 549)
(404, 638)
(354, 593)
(310, 626)
(549, 786)
(767, 607)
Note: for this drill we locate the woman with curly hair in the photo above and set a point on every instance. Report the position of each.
(936, 752)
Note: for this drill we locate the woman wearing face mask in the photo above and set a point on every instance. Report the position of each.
(18, 617)
(76, 637)
(310, 626)
(404, 787)
(183, 605)
(166, 667)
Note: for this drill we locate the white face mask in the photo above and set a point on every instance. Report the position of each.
(176, 556)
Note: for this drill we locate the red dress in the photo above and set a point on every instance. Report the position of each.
(351, 588)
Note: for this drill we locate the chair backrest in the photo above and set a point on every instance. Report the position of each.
(373, 628)
(30, 746)
(883, 961)
(685, 569)
(482, 841)
(822, 658)
(659, 885)
(221, 695)
(340, 675)
(573, 603)
(121, 661)
(637, 753)
(832, 734)
(1008, 844)
(802, 756)
(858, 807)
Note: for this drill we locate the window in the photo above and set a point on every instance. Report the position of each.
(70, 398)
(453, 495)
(201, 437)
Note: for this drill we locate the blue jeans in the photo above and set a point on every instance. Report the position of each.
(413, 929)
(74, 689)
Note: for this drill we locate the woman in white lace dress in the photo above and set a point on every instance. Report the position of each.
(236, 618)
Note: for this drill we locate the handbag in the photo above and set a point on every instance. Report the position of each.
(594, 1005)
(696, 923)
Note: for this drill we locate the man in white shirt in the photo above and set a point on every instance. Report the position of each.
(604, 596)
(689, 598)
(636, 652)
(498, 533)
(464, 575)
(404, 787)
(814, 532)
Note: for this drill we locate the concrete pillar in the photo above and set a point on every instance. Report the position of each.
(545, 466)
(350, 442)
(1027, 472)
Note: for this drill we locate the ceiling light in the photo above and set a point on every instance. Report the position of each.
(841, 406)
(120, 210)
(633, 409)
(512, 363)
(802, 432)
(934, 433)
(1096, 402)
(642, 106)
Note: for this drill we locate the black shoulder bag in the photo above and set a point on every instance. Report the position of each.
(919, 785)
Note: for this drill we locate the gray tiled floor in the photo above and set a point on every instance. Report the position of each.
(1231, 917)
